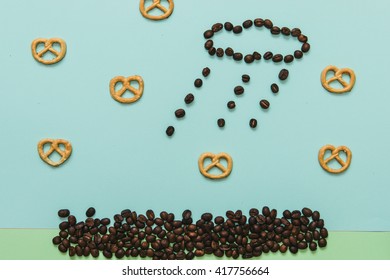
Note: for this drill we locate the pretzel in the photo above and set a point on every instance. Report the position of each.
(335, 155)
(38, 56)
(215, 162)
(54, 147)
(156, 4)
(117, 95)
(338, 76)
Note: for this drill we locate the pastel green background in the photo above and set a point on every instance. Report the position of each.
(123, 159)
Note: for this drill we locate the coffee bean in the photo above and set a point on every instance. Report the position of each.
(283, 74)
(277, 58)
(313, 246)
(245, 78)
(295, 32)
(275, 30)
(268, 55)
(324, 233)
(209, 44)
(220, 52)
(305, 47)
(228, 26)
(170, 130)
(268, 23)
(298, 54)
(221, 122)
(56, 240)
(217, 27)
(198, 83)
(231, 105)
(264, 104)
(256, 56)
(274, 88)
(252, 123)
(229, 51)
(238, 90)
(307, 212)
(180, 113)
(237, 56)
(189, 98)
(90, 212)
(293, 249)
(302, 38)
(249, 58)
(248, 23)
(63, 213)
(208, 34)
(288, 58)
(302, 245)
(316, 216)
(286, 31)
(259, 22)
(206, 71)
(212, 51)
(237, 29)
(322, 243)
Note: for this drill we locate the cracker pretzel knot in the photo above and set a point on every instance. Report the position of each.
(215, 162)
(117, 95)
(48, 47)
(156, 5)
(54, 147)
(335, 155)
(338, 76)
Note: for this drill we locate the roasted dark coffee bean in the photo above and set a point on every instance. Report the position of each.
(186, 214)
(208, 34)
(212, 51)
(62, 248)
(126, 213)
(229, 51)
(322, 243)
(283, 249)
(245, 78)
(238, 90)
(293, 249)
(220, 52)
(266, 211)
(237, 56)
(217, 27)
(170, 130)
(313, 246)
(231, 105)
(256, 56)
(237, 29)
(72, 220)
(274, 88)
(288, 58)
(298, 54)
(316, 216)
(302, 38)
(249, 58)
(302, 245)
(63, 213)
(287, 214)
(228, 26)
(247, 24)
(189, 98)
(221, 122)
(63, 225)
(268, 55)
(180, 113)
(316, 235)
(305, 47)
(259, 22)
(324, 233)
(252, 123)
(264, 104)
(268, 23)
(286, 31)
(307, 212)
(56, 240)
(72, 251)
(198, 83)
(206, 71)
(277, 58)
(275, 30)
(283, 74)
(150, 214)
(295, 32)
(219, 220)
(209, 44)
(118, 218)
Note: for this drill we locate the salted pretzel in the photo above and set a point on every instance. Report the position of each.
(215, 162)
(335, 155)
(156, 5)
(117, 95)
(48, 47)
(54, 147)
(338, 76)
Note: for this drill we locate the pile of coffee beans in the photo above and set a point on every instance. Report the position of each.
(168, 237)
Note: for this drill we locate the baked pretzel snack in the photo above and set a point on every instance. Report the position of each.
(215, 162)
(156, 5)
(38, 56)
(338, 76)
(335, 155)
(117, 95)
(54, 147)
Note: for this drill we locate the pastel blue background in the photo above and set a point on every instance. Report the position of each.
(121, 155)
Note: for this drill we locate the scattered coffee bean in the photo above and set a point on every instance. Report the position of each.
(264, 104)
(247, 24)
(249, 58)
(189, 98)
(298, 54)
(228, 26)
(209, 44)
(229, 51)
(295, 32)
(237, 29)
(283, 74)
(245, 78)
(90, 212)
(305, 47)
(275, 30)
(170, 130)
(253, 123)
(277, 58)
(198, 83)
(256, 56)
(217, 27)
(288, 58)
(302, 38)
(231, 105)
(220, 52)
(259, 22)
(221, 122)
(208, 34)
(206, 71)
(212, 51)
(237, 56)
(268, 23)
(268, 55)
(63, 213)
(238, 90)
(180, 113)
(286, 31)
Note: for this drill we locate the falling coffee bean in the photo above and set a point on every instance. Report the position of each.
(189, 98)
(264, 104)
(231, 105)
(283, 74)
(245, 78)
(198, 83)
(221, 122)
(180, 113)
(63, 213)
(253, 123)
(274, 88)
(170, 130)
(206, 71)
(90, 212)
(238, 90)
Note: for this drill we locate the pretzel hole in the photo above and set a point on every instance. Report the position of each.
(118, 86)
(215, 170)
(334, 164)
(54, 156)
(48, 56)
(156, 11)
